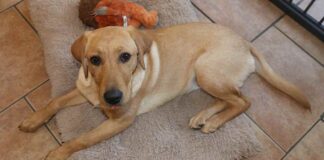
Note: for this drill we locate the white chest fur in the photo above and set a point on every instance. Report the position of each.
(153, 100)
(138, 79)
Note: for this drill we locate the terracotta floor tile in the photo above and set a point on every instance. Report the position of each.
(302, 37)
(281, 117)
(39, 98)
(311, 146)
(270, 150)
(248, 18)
(4, 4)
(17, 145)
(22, 66)
(23, 8)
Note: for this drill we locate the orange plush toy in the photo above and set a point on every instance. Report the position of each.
(111, 12)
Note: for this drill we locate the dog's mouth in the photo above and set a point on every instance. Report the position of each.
(114, 107)
(115, 111)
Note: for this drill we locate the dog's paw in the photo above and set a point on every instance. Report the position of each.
(57, 154)
(210, 127)
(31, 124)
(198, 121)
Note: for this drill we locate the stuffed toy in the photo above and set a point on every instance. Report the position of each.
(111, 12)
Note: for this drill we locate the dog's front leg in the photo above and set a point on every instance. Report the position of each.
(38, 118)
(106, 130)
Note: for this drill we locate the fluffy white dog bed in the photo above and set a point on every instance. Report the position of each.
(161, 134)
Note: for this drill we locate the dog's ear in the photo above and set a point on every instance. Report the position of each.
(143, 43)
(78, 51)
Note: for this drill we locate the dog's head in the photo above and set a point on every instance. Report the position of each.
(112, 55)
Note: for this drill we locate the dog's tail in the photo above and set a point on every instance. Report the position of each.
(278, 82)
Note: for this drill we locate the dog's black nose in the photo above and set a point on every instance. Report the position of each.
(113, 96)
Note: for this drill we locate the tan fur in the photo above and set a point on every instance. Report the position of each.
(165, 63)
(267, 73)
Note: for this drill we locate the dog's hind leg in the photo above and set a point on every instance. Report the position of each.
(41, 116)
(219, 81)
(233, 104)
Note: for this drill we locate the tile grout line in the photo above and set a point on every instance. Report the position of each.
(22, 15)
(21, 97)
(300, 47)
(45, 124)
(4, 10)
(202, 12)
(300, 139)
(282, 149)
(29, 104)
(52, 134)
(266, 29)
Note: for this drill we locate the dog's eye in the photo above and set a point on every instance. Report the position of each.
(124, 57)
(95, 60)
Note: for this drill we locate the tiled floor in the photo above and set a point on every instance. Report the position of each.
(286, 131)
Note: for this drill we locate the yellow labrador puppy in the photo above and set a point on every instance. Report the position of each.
(129, 71)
